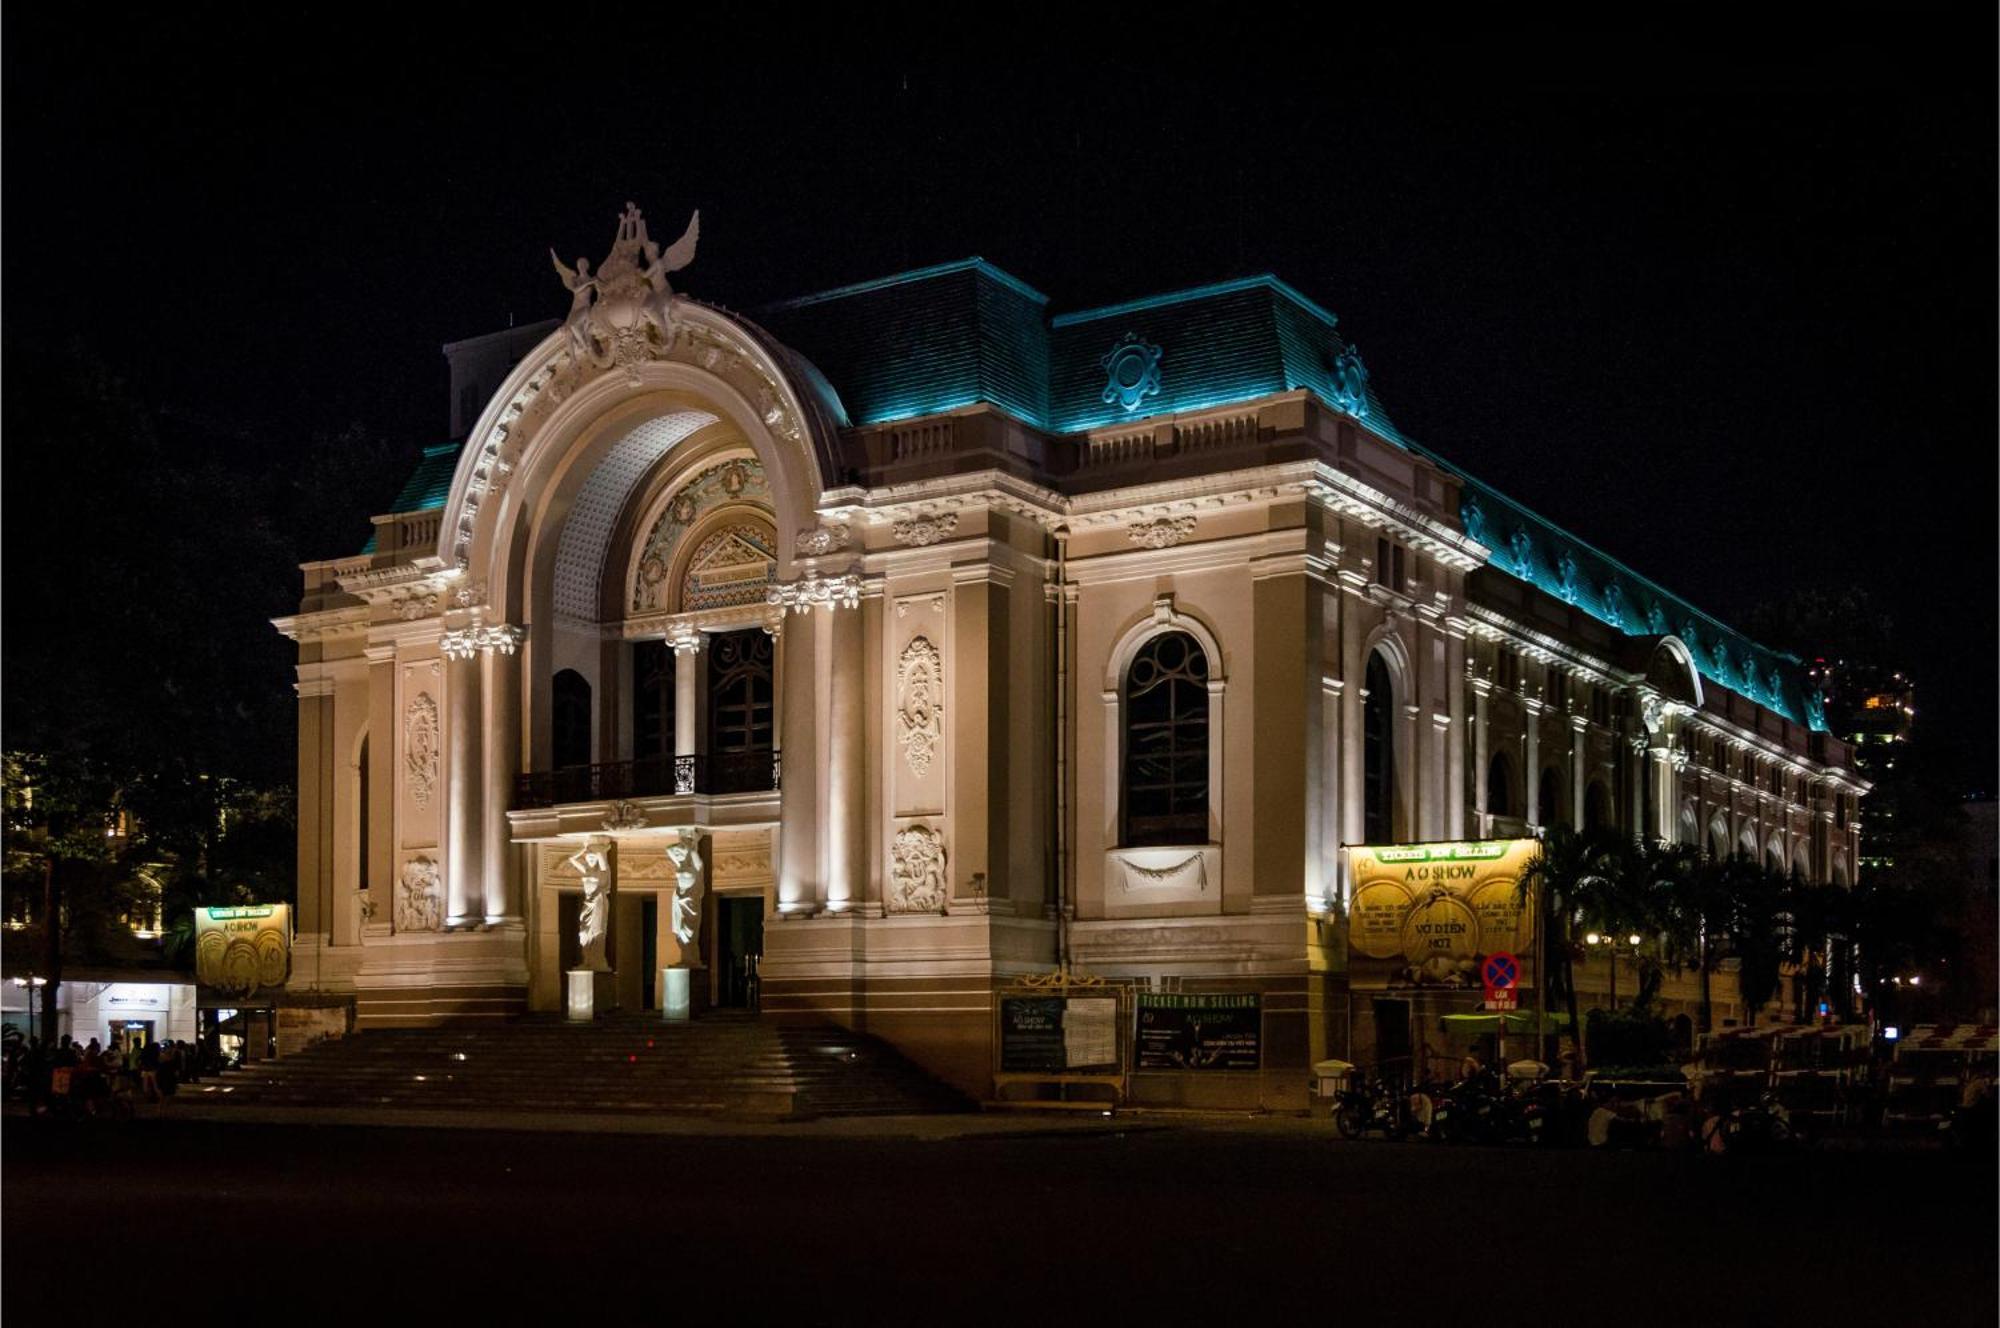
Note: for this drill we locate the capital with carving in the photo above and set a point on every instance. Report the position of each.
(832, 592)
(467, 642)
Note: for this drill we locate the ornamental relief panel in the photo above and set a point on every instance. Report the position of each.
(419, 896)
(914, 700)
(920, 703)
(421, 749)
(917, 875)
(739, 480)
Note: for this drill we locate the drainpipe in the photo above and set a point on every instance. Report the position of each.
(1062, 874)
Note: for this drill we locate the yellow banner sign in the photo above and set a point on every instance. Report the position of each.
(244, 949)
(1424, 915)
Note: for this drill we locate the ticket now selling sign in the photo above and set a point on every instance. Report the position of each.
(1425, 915)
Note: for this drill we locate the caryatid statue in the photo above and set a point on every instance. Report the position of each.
(688, 890)
(592, 863)
(621, 314)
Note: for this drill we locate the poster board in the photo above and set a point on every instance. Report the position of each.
(1198, 1031)
(1056, 1029)
(1425, 915)
(244, 949)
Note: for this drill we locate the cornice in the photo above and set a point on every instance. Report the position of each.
(324, 624)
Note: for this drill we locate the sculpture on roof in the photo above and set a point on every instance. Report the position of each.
(622, 314)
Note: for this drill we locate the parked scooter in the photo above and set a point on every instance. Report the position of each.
(1372, 1106)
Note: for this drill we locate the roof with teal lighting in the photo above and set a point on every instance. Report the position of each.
(964, 333)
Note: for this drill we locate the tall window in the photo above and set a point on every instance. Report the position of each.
(1378, 754)
(652, 700)
(570, 704)
(1499, 786)
(739, 718)
(1166, 743)
(1596, 807)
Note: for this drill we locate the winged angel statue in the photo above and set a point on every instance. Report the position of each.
(620, 314)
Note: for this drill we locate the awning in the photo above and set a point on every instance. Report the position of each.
(1512, 1022)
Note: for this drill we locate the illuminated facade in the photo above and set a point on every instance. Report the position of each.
(963, 638)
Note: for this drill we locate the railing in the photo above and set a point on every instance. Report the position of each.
(710, 773)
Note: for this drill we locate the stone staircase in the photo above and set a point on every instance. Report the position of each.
(723, 1064)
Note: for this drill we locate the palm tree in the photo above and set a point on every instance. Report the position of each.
(1755, 896)
(1664, 887)
(1571, 875)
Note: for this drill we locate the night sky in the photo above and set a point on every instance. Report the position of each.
(1719, 301)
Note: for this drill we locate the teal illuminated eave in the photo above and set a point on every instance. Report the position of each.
(1264, 281)
(979, 265)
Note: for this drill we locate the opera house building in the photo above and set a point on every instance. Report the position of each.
(866, 656)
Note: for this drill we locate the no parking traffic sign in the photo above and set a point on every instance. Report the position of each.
(1501, 973)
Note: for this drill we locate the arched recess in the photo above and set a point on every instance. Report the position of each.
(1746, 842)
(1718, 837)
(1388, 758)
(362, 793)
(570, 742)
(1689, 830)
(1500, 785)
(1597, 807)
(1554, 807)
(1671, 671)
(1165, 618)
(1774, 853)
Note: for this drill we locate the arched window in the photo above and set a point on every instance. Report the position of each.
(1166, 743)
(1500, 785)
(570, 707)
(1551, 804)
(1596, 807)
(1378, 754)
(361, 817)
(652, 700)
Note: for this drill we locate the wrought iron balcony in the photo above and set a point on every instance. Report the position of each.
(710, 773)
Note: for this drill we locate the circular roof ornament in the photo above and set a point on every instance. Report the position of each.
(1132, 373)
(1349, 382)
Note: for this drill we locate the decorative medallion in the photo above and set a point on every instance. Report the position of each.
(817, 541)
(732, 481)
(1614, 604)
(1522, 546)
(1349, 383)
(419, 901)
(924, 530)
(919, 688)
(1566, 577)
(1656, 618)
(624, 815)
(916, 882)
(1163, 533)
(420, 748)
(1132, 373)
(1473, 517)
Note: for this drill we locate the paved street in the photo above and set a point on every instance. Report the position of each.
(985, 1220)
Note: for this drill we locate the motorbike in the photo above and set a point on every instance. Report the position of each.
(1370, 1107)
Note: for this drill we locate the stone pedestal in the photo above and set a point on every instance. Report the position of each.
(676, 994)
(591, 991)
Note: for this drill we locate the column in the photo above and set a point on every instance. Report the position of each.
(1531, 773)
(1481, 690)
(380, 870)
(1353, 673)
(846, 856)
(1454, 669)
(798, 794)
(502, 664)
(1577, 773)
(464, 888)
(687, 671)
(315, 775)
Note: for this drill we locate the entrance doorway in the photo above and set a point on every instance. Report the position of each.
(739, 944)
(136, 1032)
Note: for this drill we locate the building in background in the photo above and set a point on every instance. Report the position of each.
(952, 637)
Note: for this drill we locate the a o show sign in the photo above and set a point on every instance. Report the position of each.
(1423, 915)
(244, 949)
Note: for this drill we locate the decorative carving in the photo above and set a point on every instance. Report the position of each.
(1566, 577)
(469, 641)
(1131, 373)
(467, 596)
(923, 530)
(592, 864)
(688, 890)
(917, 880)
(818, 541)
(740, 480)
(1652, 712)
(1614, 604)
(827, 592)
(367, 907)
(1163, 533)
(624, 815)
(419, 897)
(1192, 870)
(1349, 383)
(920, 696)
(1522, 546)
(420, 748)
(620, 315)
(1473, 517)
